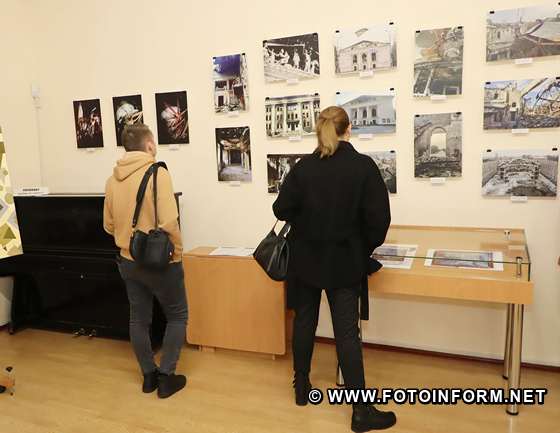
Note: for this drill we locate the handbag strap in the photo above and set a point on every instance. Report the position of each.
(152, 170)
(285, 230)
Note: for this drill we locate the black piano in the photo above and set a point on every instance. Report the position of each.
(67, 279)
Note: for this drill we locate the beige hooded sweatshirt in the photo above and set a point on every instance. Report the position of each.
(120, 202)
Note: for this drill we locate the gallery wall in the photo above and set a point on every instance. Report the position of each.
(127, 47)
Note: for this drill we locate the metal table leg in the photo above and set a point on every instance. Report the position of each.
(507, 350)
(339, 376)
(514, 378)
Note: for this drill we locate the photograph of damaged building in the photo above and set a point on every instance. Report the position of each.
(386, 161)
(291, 115)
(519, 104)
(365, 49)
(438, 145)
(230, 83)
(278, 167)
(438, 66)
(233, 152)
(531, 173)
(523, 33)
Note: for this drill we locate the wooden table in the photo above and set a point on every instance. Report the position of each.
(234, 305)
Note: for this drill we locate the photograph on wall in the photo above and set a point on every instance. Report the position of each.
(465, 259)
(172, 118)
(292, 115)
(291, 58)
(127, 110)
(396, 256)
(438, 66)
(87, 121)
(230, 83)
(438, 145)
(365, 49)
(278, 167)
(523, 33)
(386, 161)
(520, 104)
(10, 238)
(233, 154)
(369, 113)
(526, 173)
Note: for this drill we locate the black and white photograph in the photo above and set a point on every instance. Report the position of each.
(87, 121)
(230, 83)
(523, 32)
(233, 154)
(438, 66)
(526, 173)
(465, 259)
(438, 142)
(365, 49)
(292, 115)
(278, 167)
(127, 110)
(172, 118)
(522, 104)
(369, 113)
(386, 161)
(291, 58)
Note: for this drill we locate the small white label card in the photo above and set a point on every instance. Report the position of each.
(437, 180)
(525, 61)
(366, 74)
(438, 97)
(519, 199)
(520, 131)
(173, 147)
(91, 149)
(292, 81)
(365, 136)
(234, 113)
(294, 138)
(234, 183)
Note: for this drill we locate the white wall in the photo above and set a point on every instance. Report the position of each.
(110, 48)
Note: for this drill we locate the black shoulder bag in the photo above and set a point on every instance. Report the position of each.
(152, 250)
(273, 253)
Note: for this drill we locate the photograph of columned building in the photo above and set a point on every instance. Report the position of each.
(278, 167)
(386, 162)
(365, 49)
(233, 153)
(530, 173)
(369, 113)
(520, 104)
(438, 66)
(523, 32)
(438, 142)
(230, 83)
(291, 115)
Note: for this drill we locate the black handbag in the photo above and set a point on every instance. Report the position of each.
(152, 250)
(273, 253)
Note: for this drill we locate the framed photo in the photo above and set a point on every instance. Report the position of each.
(233, 154)
(292, 115)
(386, 161)
(369, 113)
(230, 83)
(127, 110)
(88, 124)
(172, 117)
(278, 167)
(291, 58)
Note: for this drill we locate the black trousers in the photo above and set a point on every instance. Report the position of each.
(343, 303)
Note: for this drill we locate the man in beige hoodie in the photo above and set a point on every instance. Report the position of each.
(143, 284)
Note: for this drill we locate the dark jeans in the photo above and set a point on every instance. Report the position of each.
(343, 304)
(168, 287)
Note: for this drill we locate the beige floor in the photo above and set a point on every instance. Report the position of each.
(67, 385)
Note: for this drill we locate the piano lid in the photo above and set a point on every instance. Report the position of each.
(62, 223)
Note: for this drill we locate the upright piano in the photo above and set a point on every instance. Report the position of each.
(67, 279)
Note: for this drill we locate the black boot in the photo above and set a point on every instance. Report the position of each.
(150, 382)
(170, 384)
(302, 386)
(366, 418)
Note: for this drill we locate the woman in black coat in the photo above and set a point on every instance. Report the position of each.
(338, 207)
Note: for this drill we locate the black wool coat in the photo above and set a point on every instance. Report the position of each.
(338, 208)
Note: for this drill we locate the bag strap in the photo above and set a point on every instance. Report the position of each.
(142, 191)
(285, 230)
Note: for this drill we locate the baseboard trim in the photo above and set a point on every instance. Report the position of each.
(424, 352)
